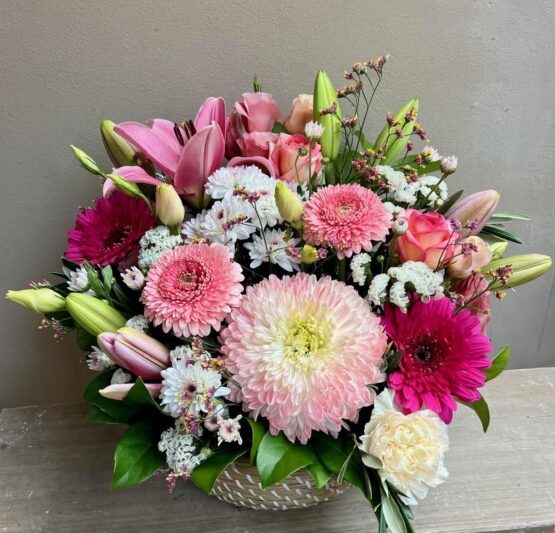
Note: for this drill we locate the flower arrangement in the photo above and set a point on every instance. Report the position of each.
(285, 291)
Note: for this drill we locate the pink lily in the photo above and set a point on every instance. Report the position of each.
(120, 391)
(132, 175)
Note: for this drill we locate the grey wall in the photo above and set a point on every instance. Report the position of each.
(483, 71)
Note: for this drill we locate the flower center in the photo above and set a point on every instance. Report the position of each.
(116, 237)
(305, 340)
(426, 350)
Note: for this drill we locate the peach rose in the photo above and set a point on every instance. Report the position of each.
(256, 143)
(300, 114)
(288, 164)
(429, 238)
(470, 255)
(258, 111)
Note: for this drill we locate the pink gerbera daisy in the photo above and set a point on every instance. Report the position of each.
(346, 218)
(110, 232)
(444, 356)
(304, 350)
(192, 288)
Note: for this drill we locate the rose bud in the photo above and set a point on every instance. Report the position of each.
(169, 207)
(474, 211)
(257, 111)
(301, 113)
(93, 314)
(121, 152)
(119, 392)
(289, 164)
(39, 300)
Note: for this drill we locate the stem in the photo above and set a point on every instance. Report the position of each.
(342, 269)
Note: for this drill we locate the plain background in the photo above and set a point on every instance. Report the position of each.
(483, 71)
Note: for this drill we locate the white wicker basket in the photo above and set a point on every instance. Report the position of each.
(240, 485)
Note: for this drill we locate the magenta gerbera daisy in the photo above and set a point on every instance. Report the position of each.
(110, 232)
(304, 350)
(192, 288)
(346, 218)
(444, 356)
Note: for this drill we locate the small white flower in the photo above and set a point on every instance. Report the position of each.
(434, 189)
(430, 154)
(225, 181)
(407, 450)
(138, 322)
(377, 292)
(120, 376)
(425, 281)
(396, 210)
(398, 295)
(229, 220)
(399, 227)
(133, 278)
(186, 354)
(78, 280)
(154, 243)
(275, 248)
(97, 360)
(359, 264)
(313, 130)
(449, 164)
(228, 430)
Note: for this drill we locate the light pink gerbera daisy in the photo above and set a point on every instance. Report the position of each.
(304, 351)
(444, 355)
(346, 218)
(110, 232)
(192, 288)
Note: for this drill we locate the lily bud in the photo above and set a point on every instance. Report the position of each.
(289, 205)
(135, 351)
(474, 211)
(93, 314)
(39, 300)
(119, 392)
(524, 268)
(309, 254)
(325, 97)
(497, 249)
(169, 207)
(121, 153)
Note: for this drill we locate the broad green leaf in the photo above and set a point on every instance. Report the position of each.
(137, 456)
(393, 359)
(392, 514)
(482, 410)
(500, 234)
(98, 415)
(450, 202)
(279, 128)
(334, 452)
(84, 339)
(140, 398)
(204, 475)
(278, 458)
(499, 363)
(258, 429)
(364, 143)
(319, 473)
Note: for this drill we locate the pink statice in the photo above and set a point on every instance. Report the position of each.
(192, 288)
(346, 218)
(304, 350)
(444, 356)
(110, 232)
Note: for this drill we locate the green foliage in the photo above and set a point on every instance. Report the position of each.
(482, 410)
(450, 202)
(84, 339)
(279, 128)
(499, 363)
(498, 233)
(204, 475)
(320, 474)
(258, 430)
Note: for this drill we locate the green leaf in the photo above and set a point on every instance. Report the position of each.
(86, 161)
(137, 456)
(392, 514)
(258, 429)
(139, 397)
(499, 363)
(84, 339)
(392, 360)
(334, 452)
(319, 473)
(98, 415)
(450, 202)
(278, 458)
(500, 234)
(107, 277)
(204, 475)
(279, 128)
(482, 410)
(366, 145)
(497, 218)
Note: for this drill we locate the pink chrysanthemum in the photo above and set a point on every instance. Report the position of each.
(304, 351)
(192, 288)
(110, 232)
(444, 355)
(346, 218)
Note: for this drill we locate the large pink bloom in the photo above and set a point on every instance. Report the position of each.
(110, 232)
(192, 288)
(444, 356)
(304, 351)
(346, 218)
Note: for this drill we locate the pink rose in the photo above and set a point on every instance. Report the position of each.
(288, 164)
(301, 113)
(256, 143)
(429, 238)
(470, 254)
(258, 111)
(473, 291)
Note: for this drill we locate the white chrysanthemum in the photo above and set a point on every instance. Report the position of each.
(275, 248)
(133, 278)
(225, 181)
(78, 280)
(154, 243)
(98, 361)
(228, 220)
(359, 266)
(181, 449)
(188, 389)
(313, 130)
(138, 322)
(407, 450)
(120, 376)
(430, 154)
(377, 292)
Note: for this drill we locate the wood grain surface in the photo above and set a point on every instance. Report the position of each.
(55, 470)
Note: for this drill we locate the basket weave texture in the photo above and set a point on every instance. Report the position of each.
(240, 485)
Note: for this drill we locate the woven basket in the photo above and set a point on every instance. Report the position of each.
(240, 485)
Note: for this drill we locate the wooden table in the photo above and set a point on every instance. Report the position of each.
(55, 469)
